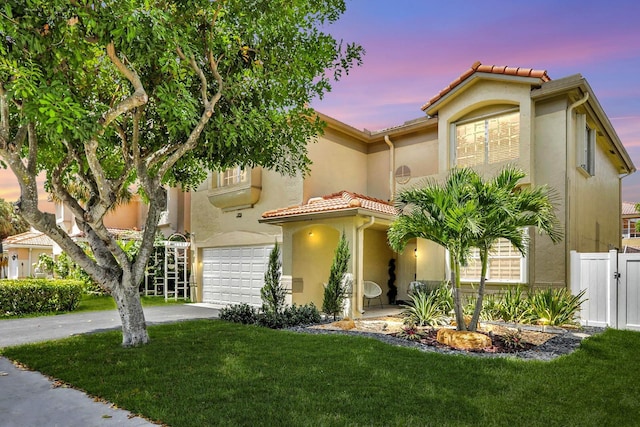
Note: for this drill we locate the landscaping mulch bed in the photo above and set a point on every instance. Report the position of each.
(538, 343)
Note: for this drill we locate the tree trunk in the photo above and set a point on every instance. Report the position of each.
(457, 302)
(483, 273)
(134, 327)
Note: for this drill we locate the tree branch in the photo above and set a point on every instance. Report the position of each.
(139, 96)
(199, 73)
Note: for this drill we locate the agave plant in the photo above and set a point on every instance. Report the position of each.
(555, 307)
(424, 310)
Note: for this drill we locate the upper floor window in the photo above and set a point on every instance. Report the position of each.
(587, 145)
(487, 140)
(233, 176)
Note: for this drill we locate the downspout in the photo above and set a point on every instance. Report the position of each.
(567, 189)
(359, 289)
(392, 167)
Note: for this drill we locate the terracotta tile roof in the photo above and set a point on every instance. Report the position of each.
(629, 209)
(341, 201)
(493, 69)
(29, 238)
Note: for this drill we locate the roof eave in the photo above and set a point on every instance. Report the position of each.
(432, 109)
(338, 213)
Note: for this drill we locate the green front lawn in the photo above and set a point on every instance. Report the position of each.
(208, 372)
(106, 302)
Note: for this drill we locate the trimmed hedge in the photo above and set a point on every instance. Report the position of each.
(28, 296)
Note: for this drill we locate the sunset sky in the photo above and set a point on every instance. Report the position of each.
(417, 47)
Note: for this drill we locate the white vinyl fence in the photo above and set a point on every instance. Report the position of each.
(612, 284)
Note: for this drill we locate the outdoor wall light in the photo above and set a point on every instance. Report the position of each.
(311, 234)
(14, 257)
(415, 252)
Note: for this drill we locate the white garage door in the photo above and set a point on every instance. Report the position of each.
(234, 275)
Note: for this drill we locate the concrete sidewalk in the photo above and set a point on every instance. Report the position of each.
(31, 399)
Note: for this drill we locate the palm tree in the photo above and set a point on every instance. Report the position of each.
(466, 212)
(505, 211)
(446, 214)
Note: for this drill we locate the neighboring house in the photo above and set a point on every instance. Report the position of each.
(23, 250)
(555, 130)
(630, 232)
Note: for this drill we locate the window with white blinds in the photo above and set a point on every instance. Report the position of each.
(488, 140)
(506, 264)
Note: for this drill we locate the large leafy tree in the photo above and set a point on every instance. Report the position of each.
(115, 94)
(467, 212)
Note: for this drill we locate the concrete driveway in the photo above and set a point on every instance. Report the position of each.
(31, 399)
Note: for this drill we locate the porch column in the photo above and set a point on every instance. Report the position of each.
(358, 285)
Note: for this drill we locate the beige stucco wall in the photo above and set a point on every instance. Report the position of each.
(214, 227)
(339, 163)
(312, 253)
(548, 261)
(418, 150)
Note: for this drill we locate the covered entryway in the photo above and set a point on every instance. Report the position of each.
(234, 275)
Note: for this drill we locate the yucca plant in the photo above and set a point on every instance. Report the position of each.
(555, 307)
(424, 310)
(444, 297)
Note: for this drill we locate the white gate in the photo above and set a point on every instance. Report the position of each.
(612, 287)
(629, 291)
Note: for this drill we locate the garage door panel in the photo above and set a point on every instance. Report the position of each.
(234, 275)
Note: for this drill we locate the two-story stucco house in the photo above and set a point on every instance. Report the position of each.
(488, 117)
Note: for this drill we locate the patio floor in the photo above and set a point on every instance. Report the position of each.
(377, 311)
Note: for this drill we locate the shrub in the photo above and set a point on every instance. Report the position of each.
(512, 340)
(555, 307)
(424, 310)
(336, 291)
(491, 307)
(240, 313)
(18, 297)
(294, 315)
(410, 332)
(291, 316)
(273, 293)
(514, 306)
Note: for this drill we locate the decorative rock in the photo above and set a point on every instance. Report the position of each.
(345, 324)
(463, 340)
